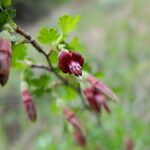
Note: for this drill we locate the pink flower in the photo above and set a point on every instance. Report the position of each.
(69, 115)
(90, 97)
(77, 134)
(71, 62)
(129, 144)
(100, 87)
(79, 138)
(5, 60)
(96, 100)
(29, 104)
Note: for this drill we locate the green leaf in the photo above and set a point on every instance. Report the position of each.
(54, 58)
(28, 75)
(19, 51)
(54, 107)
(12, 13)
(3, 18)
(48, 36)
(5, 3)
(42, 81)
(19, 54)
(6, 17)
(38, 92)
(87, 67)
(68, 23)
(75, 44)
(38, 85)
(72, 93)
(63, 93)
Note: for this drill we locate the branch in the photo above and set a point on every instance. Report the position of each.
(82, 98)
(40, 67)
(50, 68)
(39, 49)
(29, 38)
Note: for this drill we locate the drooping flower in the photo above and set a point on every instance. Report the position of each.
(79, 138)
(100, 87)
(96, 100)
(90, 97)
(69, 115)
(28, 103)
(101, 101)
(71, 62)
(129, 144)
(77, 131)
(5, 60)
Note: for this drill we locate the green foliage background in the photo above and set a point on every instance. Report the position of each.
(115, 42)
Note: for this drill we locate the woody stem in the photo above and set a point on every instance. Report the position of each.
(50, 68)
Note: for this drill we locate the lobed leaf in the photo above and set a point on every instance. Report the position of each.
(3, 18)
(19, 54)
(5, 3)
(6, 17)
(75, 44)
(68, 23)
(48, 36)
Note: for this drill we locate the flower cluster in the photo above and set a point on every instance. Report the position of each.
(96, 94)
(101, 87)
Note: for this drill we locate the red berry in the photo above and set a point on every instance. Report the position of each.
(5, 60)
(71, 62)
(29, 105)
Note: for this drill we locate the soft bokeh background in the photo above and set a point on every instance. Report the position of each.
(115, 35)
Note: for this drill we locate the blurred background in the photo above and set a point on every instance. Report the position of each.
(115, 36)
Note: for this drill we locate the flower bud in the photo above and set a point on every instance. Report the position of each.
(102, 88)
(79, 138)
(71, 62)
(28, 103)
(100, 98)
(5, 60)
(69, 115)
(90, 97)
(96, 99)
(129, 144)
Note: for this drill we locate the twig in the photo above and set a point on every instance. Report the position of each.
(82, 98)
(39, 49)
(40, 67)
(50, 68)
(29, 38)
